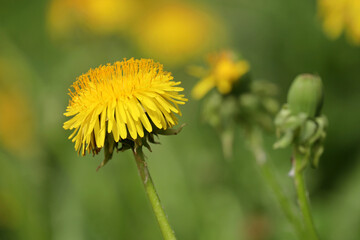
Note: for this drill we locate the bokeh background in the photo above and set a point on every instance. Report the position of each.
(47, 191)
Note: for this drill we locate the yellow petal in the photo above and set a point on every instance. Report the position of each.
(131, 126)
(121, 123)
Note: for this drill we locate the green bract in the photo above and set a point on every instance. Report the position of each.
(126, 144)
(299, 122)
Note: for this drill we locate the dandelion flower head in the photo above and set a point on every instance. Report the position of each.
(224, 71)
(341, 16)
(126, 99)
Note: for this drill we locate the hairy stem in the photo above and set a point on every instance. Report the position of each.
(167, 232)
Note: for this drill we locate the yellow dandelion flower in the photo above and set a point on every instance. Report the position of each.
(100, 17)
(125, 100)
(224, 72)
(175, 32)
(341, 16)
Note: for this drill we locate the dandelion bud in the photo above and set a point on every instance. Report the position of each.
(306, 95)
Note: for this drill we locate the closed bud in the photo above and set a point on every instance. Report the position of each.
(306, 95)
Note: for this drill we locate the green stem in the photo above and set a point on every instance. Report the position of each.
(267, 171)
(303, 200)
(167, 232)
(281, 198)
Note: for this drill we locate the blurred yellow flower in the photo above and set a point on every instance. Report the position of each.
(16, 121)
(126, 99)
(224, 71)
(17, 113)
(341, 16)
(101, 17)
(175, 32)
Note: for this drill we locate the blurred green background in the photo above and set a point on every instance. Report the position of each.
(47, 191)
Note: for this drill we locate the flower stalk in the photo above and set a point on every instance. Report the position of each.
(166, 230)
(303, 200)
(301, 125)
(123, 106)
(256, 147)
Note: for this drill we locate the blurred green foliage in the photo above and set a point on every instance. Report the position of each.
(48, 192)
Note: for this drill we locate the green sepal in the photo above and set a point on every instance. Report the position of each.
(282, 116)
(293, 122)
(316, 152)
(308, 130)
(285, 140)
(307, 134)
(133, 144)
(305, 160)
(170, 131)
(108, 150)
(322, 123)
